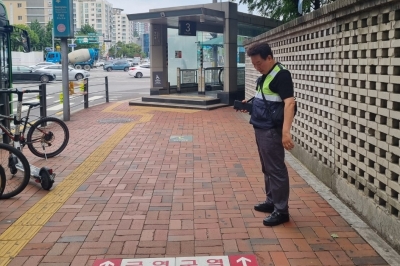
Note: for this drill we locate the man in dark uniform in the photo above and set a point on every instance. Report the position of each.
(275, 95)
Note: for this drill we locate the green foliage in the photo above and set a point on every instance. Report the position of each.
(284, 10)
(40, 32)
(40, 36)
(47, 42)
(126, 50)
(16, 44)
(86, 29)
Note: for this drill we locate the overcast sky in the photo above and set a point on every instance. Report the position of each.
(141, 6)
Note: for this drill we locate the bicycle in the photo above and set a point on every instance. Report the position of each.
(13, 181)
(41, 134)
(2, 180)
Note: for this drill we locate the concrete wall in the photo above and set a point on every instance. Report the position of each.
(345, 64)
(26, 59)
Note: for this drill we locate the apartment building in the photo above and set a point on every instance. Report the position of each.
(96, 13)
(141, 27)
(109, 22)
(26, 11)
(123, 28)
(17, 12)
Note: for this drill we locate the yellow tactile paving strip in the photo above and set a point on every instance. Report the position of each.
(14, 239)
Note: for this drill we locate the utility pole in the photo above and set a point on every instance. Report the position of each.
(52, 37)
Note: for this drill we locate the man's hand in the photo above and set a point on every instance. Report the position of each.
(244, 111)
(287, 141)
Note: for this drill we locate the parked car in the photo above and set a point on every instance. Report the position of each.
(133, 62)
(42, 64)
(73, 74)
(117, 65)
(139, 71)
(25, 73)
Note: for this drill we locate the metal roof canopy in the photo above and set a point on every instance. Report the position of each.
(204, 18)
(208, 19)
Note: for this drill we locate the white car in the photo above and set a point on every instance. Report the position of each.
(74, 74)
(139, 71)
(42, 64)
(99, 64)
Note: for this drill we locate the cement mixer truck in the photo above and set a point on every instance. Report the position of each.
(82, 58)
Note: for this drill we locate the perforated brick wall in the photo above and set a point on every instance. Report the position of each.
(345, 66)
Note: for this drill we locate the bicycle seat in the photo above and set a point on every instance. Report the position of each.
(31, 104)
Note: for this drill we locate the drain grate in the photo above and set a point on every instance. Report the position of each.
(114, 120)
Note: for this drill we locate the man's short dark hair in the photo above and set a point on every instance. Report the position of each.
(261, 48)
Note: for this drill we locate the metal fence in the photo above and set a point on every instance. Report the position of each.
(77, 89)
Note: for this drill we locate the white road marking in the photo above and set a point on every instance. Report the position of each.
(94, 98)
(57, 107)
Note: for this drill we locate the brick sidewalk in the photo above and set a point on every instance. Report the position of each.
(153, 196)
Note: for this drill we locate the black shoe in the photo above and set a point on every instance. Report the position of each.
(276, 218)
(264, 207)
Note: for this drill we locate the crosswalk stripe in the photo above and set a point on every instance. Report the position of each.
(25, 108)
(57, 107)
(91, 99)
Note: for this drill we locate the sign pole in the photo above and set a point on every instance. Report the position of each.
(52, 37)
(63, 28)
(65, 81)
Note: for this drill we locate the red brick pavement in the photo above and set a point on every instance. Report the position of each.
(155, 198)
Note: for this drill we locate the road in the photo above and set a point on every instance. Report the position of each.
(121, 86)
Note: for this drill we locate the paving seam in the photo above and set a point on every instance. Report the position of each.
(372, 238)
(14, 239)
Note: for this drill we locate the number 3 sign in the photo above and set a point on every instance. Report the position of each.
(187, 28)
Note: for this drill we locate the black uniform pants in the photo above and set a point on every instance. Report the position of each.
(276, 177)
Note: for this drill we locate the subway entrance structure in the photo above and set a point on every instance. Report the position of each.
(198, 49)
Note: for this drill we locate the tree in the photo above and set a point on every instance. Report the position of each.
(125, 50)
(16, 43)
(40, 32)
(283, 10)
(86, 29)
(48, 36)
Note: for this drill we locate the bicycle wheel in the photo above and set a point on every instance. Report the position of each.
(16, 169)
(47, 137)
(2, 180)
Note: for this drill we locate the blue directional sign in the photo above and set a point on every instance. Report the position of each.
(63, 23)
(72, 45)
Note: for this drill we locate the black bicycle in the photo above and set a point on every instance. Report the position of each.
(47, 137)
(14, 171)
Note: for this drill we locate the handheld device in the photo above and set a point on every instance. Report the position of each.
(239, 105)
